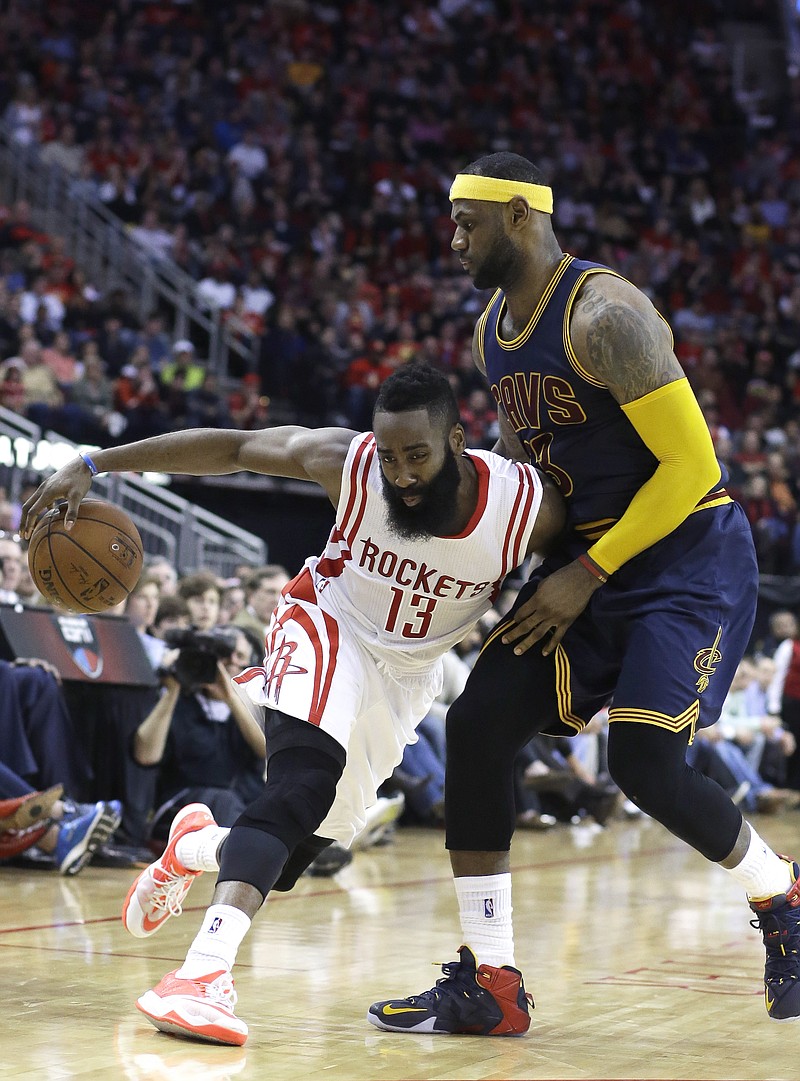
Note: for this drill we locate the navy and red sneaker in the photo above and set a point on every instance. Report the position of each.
(778, 919)
(472, 999)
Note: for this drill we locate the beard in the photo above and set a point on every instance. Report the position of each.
(434, 513)
(499, 267)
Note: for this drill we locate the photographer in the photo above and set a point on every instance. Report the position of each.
(208, 745)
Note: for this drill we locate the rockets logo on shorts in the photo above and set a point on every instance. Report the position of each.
(280, 666)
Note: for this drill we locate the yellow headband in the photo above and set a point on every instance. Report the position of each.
(492, 190)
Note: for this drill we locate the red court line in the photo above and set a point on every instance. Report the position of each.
(177, 961)
(283, 898)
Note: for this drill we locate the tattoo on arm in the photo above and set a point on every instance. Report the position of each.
(626, 348)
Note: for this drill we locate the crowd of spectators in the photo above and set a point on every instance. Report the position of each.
(294, 158)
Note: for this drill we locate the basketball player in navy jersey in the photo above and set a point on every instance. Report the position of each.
(425, 533)
(648, 603)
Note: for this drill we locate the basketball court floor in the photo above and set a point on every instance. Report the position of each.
(639, 954)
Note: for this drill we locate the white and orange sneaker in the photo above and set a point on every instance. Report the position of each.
(160, 889)
(201, 1009)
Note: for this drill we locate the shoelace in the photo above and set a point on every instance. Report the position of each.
(455, 982)
(782, 963)
(170, 895)
(222, 991)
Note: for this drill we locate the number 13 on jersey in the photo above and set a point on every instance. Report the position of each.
(419, 618)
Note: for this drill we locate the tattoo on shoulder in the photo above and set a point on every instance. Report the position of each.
(625, 348)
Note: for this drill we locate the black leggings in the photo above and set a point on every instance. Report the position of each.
(649, 765)
(273, 841)
(484, 735)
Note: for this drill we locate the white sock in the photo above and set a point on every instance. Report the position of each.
(216, 943)
(197, 850)
(762, 873)
(484, 905)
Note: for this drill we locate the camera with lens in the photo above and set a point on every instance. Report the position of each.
(198, 655)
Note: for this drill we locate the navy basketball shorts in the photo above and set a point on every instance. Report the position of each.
(660, 641)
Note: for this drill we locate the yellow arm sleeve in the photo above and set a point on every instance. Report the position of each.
(672, 426)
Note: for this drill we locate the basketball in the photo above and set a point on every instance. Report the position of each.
(90, 568)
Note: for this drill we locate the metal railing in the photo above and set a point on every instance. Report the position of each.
(189, 536)
(100, 245)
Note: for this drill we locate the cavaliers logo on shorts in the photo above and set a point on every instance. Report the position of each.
(706, 663)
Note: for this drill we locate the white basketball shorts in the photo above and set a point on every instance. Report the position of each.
(318, 670)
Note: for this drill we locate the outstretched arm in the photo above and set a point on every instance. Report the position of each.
(315, 454)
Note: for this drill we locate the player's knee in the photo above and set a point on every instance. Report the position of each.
(465, 722)
(299, 862)
(252, 856)
(649, 784)
(298, 793)
(630, 776)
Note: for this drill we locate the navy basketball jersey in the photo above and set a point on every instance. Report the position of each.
(566, 419)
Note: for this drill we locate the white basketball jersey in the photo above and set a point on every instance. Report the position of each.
(410, 601)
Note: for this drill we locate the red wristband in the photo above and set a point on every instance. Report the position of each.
(592, 568)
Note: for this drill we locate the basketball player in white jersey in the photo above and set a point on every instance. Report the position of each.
(425, 533)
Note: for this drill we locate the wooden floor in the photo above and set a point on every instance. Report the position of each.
(639, 955)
